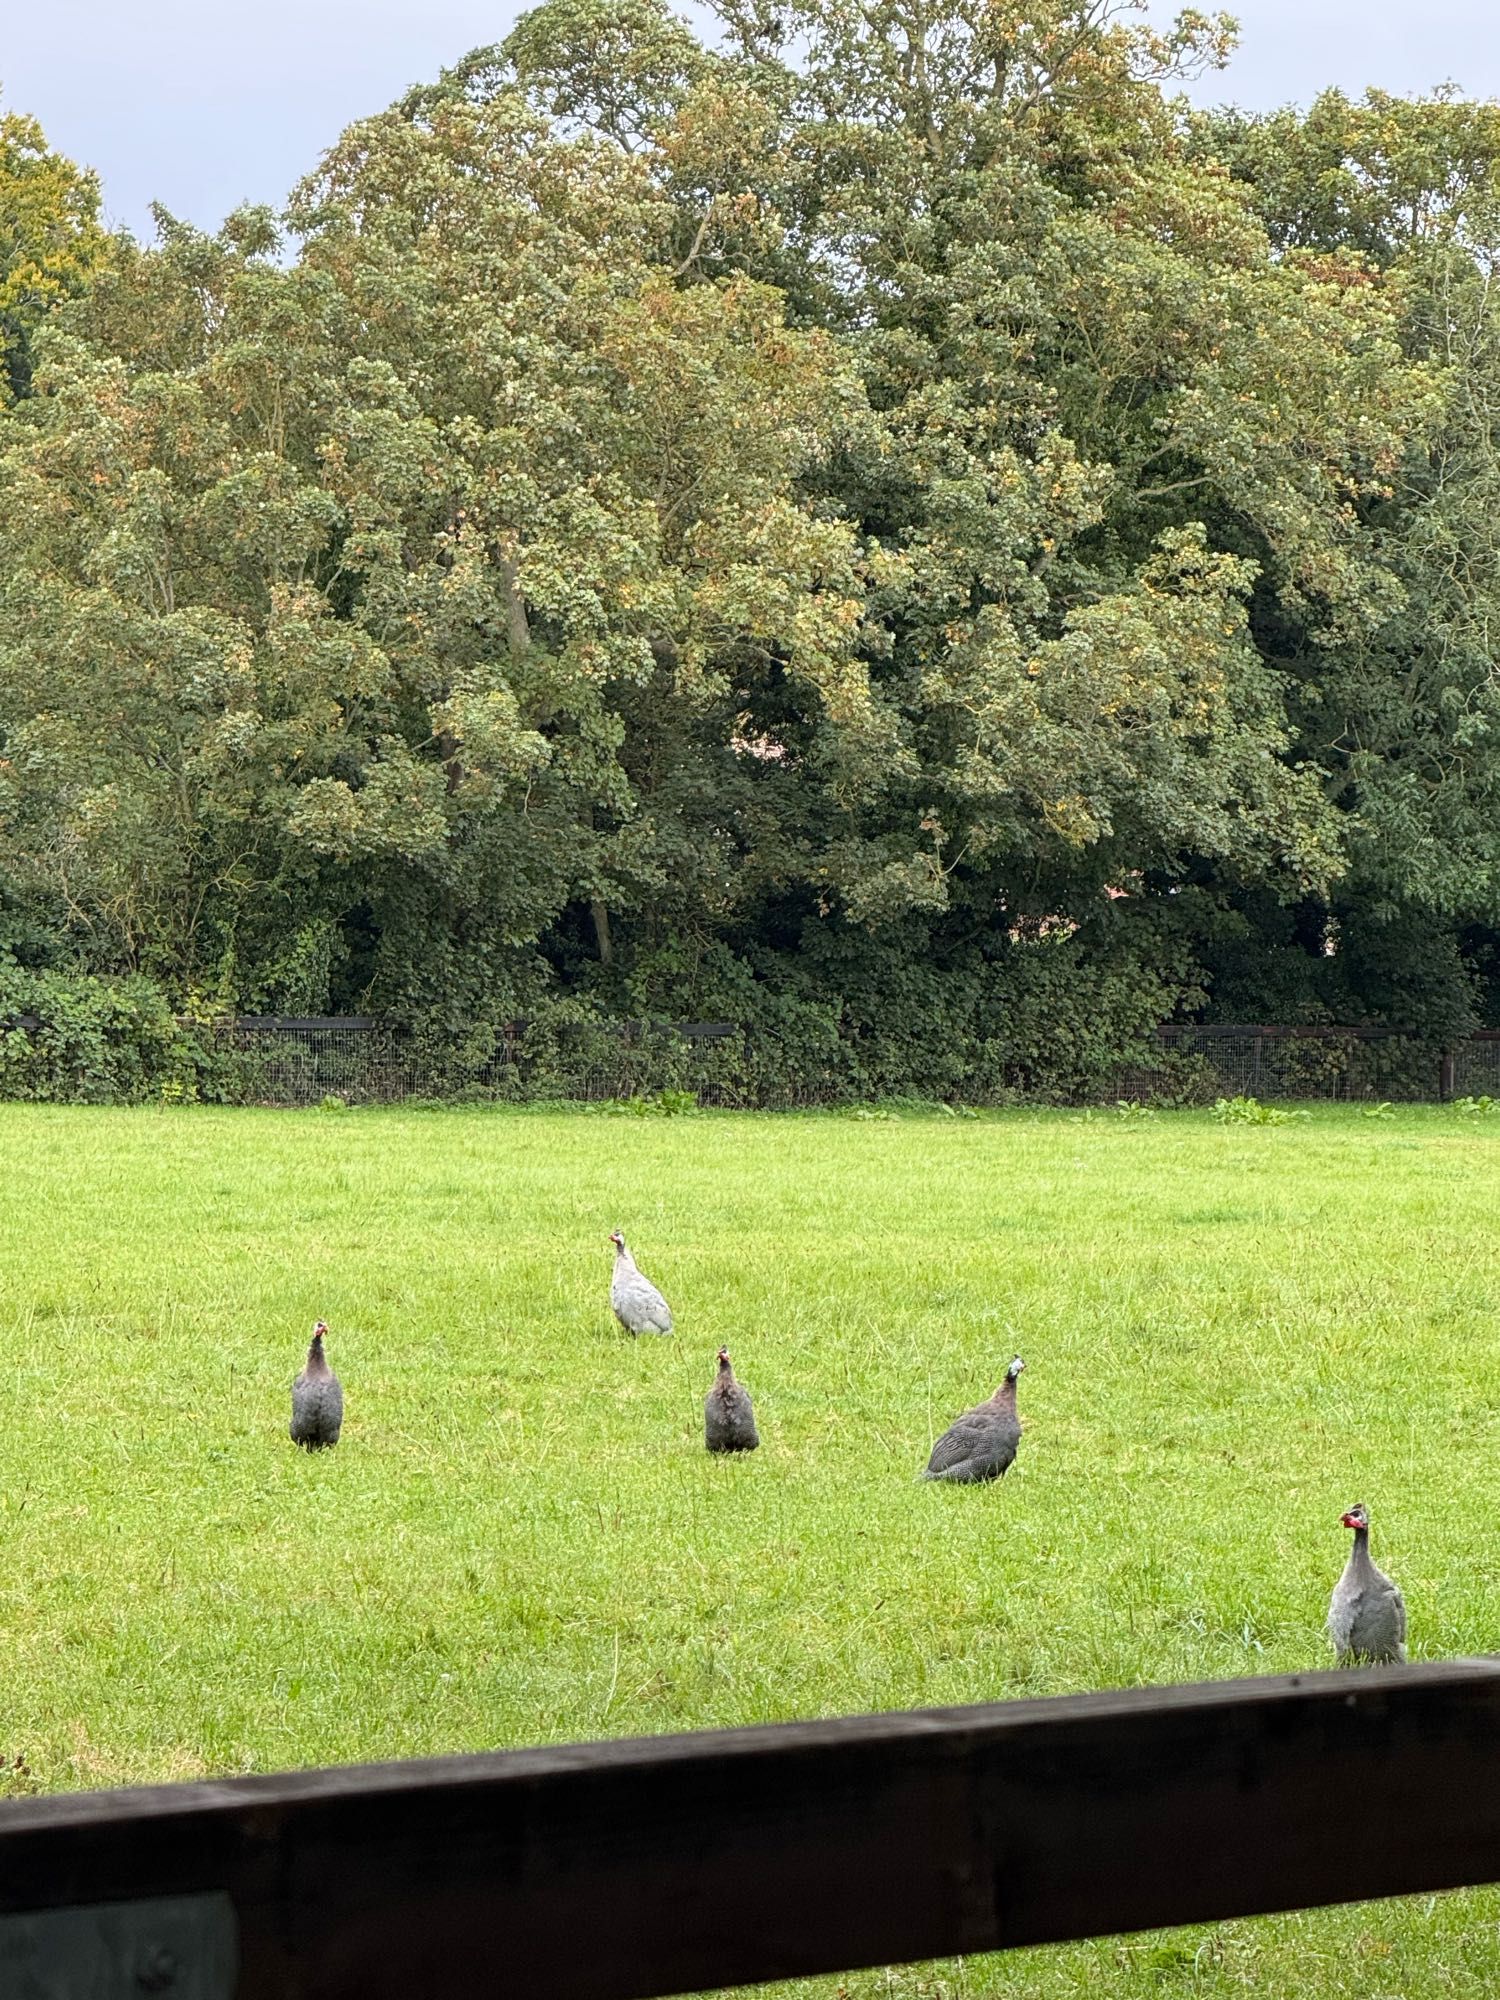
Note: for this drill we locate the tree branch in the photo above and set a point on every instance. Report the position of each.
(692, 256)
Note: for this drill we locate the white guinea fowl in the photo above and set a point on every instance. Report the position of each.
(1367, 1615)
(635, 1301)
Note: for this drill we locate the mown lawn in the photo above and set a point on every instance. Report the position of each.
(1231, 1334)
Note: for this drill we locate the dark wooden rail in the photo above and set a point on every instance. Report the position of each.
(365, 1024)
(665, 1865)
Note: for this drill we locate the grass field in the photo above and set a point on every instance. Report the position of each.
(1231, 1334)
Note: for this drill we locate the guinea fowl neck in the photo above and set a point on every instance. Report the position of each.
(1004, 1397)
(317, 1360)
(1359, 1554)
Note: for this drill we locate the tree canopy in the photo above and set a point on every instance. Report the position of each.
(887, 526)
(50, 240)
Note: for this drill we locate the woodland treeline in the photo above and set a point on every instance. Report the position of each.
(887, 526)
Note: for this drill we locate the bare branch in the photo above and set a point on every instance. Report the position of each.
(692, 256)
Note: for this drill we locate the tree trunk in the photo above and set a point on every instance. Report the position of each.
(517, 629)
(447, 749)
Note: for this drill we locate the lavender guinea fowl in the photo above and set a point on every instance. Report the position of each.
(982, 1443)
(728, 1413)
(317, 1399)
(1367, 1616)
(637, 1304)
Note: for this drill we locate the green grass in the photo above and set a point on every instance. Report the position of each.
(1231, 1334)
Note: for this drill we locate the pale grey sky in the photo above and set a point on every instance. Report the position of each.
(202, 104)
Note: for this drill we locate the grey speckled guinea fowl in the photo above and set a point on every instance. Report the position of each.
(1367, 1615)
(728, 1413)
(317, 1399)
(637, 1304)
(982, 1443)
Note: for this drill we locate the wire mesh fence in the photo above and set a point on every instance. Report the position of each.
(305, 1061)
(363, 1061)
(1235, 1060)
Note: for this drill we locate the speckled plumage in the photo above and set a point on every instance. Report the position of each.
(637, 1304)
(982, 1443)
(728, 1413)
(1367, 1614)
(317, 1399)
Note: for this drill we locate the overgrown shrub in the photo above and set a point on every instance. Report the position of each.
(77, 1038)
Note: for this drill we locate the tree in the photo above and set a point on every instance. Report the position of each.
(1078, 351)
(890, 527)
(50, 240)
(360, 586)
(1399, 705)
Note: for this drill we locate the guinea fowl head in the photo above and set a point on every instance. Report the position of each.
(617, 1239)
(1006, 1393)
(723, 1359)
(320, 1332)
(1357, 1518)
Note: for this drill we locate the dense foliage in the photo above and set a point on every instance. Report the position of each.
(888, 528)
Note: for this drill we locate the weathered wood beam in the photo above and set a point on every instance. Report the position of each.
(612, 1871)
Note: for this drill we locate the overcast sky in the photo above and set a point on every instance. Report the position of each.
(203, 105)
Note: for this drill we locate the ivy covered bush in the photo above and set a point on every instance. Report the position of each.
(79, 1038)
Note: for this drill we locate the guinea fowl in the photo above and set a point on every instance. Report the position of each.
(982, 1444)
(317, 1399)
(638, 1305)
(728, 1413)
(1367, 1617)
